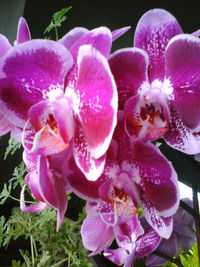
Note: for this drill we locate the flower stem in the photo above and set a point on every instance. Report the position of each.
(56, 31)
(197, 220)
(32, 252)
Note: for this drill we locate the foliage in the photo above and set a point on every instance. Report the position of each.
(17, 179)
(13, 145)
(48, 247)
(58, 18)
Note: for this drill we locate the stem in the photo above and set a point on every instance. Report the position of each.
(197, 220)
(32, 252)
(168, 258)
(190, 210)
(56, 31)
(16, 199)
(58, 263)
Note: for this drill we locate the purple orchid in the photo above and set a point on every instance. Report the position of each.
(102, 225)
(23, 35)
(54, 105)
(157, 81)
(141, 172)
(47, 183)
(183, 237)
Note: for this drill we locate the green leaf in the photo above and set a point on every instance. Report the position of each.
(58, 18)
(13, 145)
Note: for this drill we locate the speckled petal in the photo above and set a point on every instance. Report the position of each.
(183, 72)
(153, 32)
(158, 178)
(162, 225)
(181, 137)
(91, 167)
(28, 75)
(96, 99)
(129, 67)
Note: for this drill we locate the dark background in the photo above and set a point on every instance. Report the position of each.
(90, 14)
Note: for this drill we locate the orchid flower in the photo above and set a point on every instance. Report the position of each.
(46, 183)
(23, 35)
(101, 227)
(183, 237)
(54, 105)
(140, 171)
(158, 82)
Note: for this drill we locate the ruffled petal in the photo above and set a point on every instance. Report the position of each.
(91, 167)
(181, 137)
(119, 32)
(28, 75)
(129, 67)
(4, 45)
(99, 38)
(183, 72)
(69, 39)
(52, 189)
(158, 178)
(96, 235)
(23, 33)
(153, 32)
(96, 99)
(162, 225)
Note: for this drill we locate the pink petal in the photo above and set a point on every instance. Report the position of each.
(181, 137)
(129, 67)
(147, 243)
(119, 32)
(28, 75)
(5, 46)
(46, 132)
(69, 39)
(5, 125)
(91, 167)
(96, 99)
(153, 32)
(52, 189)
(158, 178)
(96, 235)
(182, 70)
(99, 38)
(118, 256)
(79, 184)
(162, 225)
(33, 208)
(23, 33)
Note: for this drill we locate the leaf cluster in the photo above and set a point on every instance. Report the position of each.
(17, 179)
(48, 247)
(58, 18)
(13, 145)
